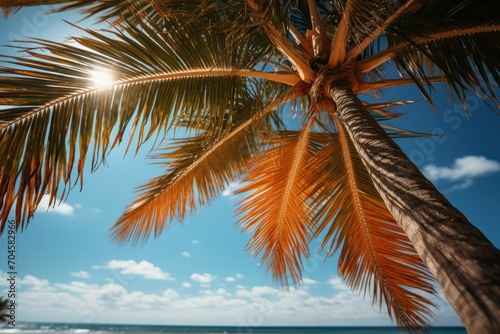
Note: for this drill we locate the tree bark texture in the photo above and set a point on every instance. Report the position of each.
(465, 263)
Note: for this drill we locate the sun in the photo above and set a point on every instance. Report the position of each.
(101, 77)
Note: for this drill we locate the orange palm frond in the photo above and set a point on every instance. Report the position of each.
(198, 169)
(195, 175)
(376, 256)
(276, 211)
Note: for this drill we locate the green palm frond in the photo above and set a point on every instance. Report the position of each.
(4, 313)
(107, 10)
(12, 6)
(158, 78)
(375, 255)
(300, 15)
(456, 40)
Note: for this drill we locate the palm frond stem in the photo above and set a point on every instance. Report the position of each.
(382, 84)
(379, 30)
(285, 46)
(380, 58)
(339, 41)
(301, 40)
(318, 31)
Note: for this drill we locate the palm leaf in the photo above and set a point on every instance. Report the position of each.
(275, 210)
(195, 173)
(4, 311)
(51, 97)
(194, 176)
(375, 254)
(422, 46)
(12, 6)
(114, 10)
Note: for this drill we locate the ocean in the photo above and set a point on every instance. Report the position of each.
(73, 328)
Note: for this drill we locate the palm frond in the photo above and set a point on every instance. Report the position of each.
(195, 173)
(275, 210)
(12, 6)
(375, 254)
(271, 17)
(392, 10)
(360, 20)
(227, 14)
(109, 10)
(158, 78)
(381, 109)
(431, 41)
(319, 39)
(4, 311)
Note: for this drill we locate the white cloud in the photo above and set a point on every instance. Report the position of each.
(203, 278)
(195, 242)
(257, 292)
(246, 307)
(234, 278)
(308, 281)
(144, 268)
(78, 206)
(464, 185)
(61, 208)
(186, 284)
(338, 284)
(80, 274)
(74, 286)
(186, 254)
(34, 282)
(464, 170)
(218, 292)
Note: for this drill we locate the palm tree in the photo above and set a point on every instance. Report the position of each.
(221, 73)
(4, 313)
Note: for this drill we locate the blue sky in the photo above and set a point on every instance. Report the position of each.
(199, 272)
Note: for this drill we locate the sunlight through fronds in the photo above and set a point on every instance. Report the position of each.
(101, 77)
(51, 96)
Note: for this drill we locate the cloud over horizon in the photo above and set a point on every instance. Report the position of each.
(250, 306)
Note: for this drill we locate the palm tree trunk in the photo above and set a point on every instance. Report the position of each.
(463, 260)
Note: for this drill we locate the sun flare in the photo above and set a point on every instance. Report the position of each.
(101, 77)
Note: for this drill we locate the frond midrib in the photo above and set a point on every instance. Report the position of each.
(352, 182)
(294, 171)
(177, 178)
(355, 194)
(286, 77)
